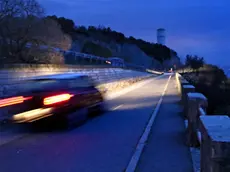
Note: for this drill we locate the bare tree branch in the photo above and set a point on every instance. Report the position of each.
(24, 30)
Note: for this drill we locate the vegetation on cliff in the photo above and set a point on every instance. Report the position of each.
(213, 83)
(95, 49)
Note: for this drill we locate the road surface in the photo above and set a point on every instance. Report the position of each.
(104, 144)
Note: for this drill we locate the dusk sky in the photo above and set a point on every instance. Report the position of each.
(199, 27)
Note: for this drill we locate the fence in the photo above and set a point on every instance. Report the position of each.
(210, 133)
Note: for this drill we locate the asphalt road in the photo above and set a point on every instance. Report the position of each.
(166, 150)
(103, 144)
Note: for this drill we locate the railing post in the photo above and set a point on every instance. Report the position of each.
(215, 141)
(178, 76)
(185, 90)
(194, 102)
(184, 99)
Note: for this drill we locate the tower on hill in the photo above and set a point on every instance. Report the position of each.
(161, 36)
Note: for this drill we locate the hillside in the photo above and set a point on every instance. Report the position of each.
(105, 42)
(227, 70)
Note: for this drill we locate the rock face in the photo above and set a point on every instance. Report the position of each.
(170, 63)
(129, 52)
(133, 54)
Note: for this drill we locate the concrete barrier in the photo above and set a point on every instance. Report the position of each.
(194, 102)
(215, 143)
(211, 133)
(100, 73)
(180, 81)
(154, 72)
(185, 90)
(11, 79)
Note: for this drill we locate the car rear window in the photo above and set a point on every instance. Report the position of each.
(40, 85)
(37, 85)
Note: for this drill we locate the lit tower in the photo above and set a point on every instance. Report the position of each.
(161, 36)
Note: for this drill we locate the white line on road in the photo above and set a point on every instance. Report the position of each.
(8, 138)
(140, 146)
(117, 107)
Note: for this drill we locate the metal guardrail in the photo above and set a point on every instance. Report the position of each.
(85, 59)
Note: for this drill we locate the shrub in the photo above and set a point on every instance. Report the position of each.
(213, 83)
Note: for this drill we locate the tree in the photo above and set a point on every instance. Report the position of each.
(24, 32)
(92, 28)
(194, 62)
(13, 14)
(95, 49)
(132, 39)
(82, 30)
(19, 8)
(52, 39)
(67, 25)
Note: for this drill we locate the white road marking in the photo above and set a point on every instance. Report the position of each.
(10, 137)
(117, 107)
(140, 146)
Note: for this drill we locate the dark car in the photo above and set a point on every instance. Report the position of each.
(66, 98)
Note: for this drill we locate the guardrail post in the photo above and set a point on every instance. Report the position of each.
(178, 76)
(194, 102)
(180, 83)
(185, 90)
(215, 143)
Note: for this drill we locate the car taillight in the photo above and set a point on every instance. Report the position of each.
(13, 101)
(56, 99)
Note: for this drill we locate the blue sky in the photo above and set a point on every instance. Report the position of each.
(199, 27)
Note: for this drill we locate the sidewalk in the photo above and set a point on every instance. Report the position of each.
(165, 150)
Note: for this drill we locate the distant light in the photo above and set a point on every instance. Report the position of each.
(108, 62)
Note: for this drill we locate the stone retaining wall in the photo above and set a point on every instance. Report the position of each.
(210, 133)
(99, 73)
(11, 79)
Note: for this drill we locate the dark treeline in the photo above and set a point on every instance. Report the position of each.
(106, 34)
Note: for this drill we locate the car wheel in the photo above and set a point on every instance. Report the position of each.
(76, 118)
(100, 109)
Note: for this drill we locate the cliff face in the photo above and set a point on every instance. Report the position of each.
(133, 54)
(174, 61)
(129, 52)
